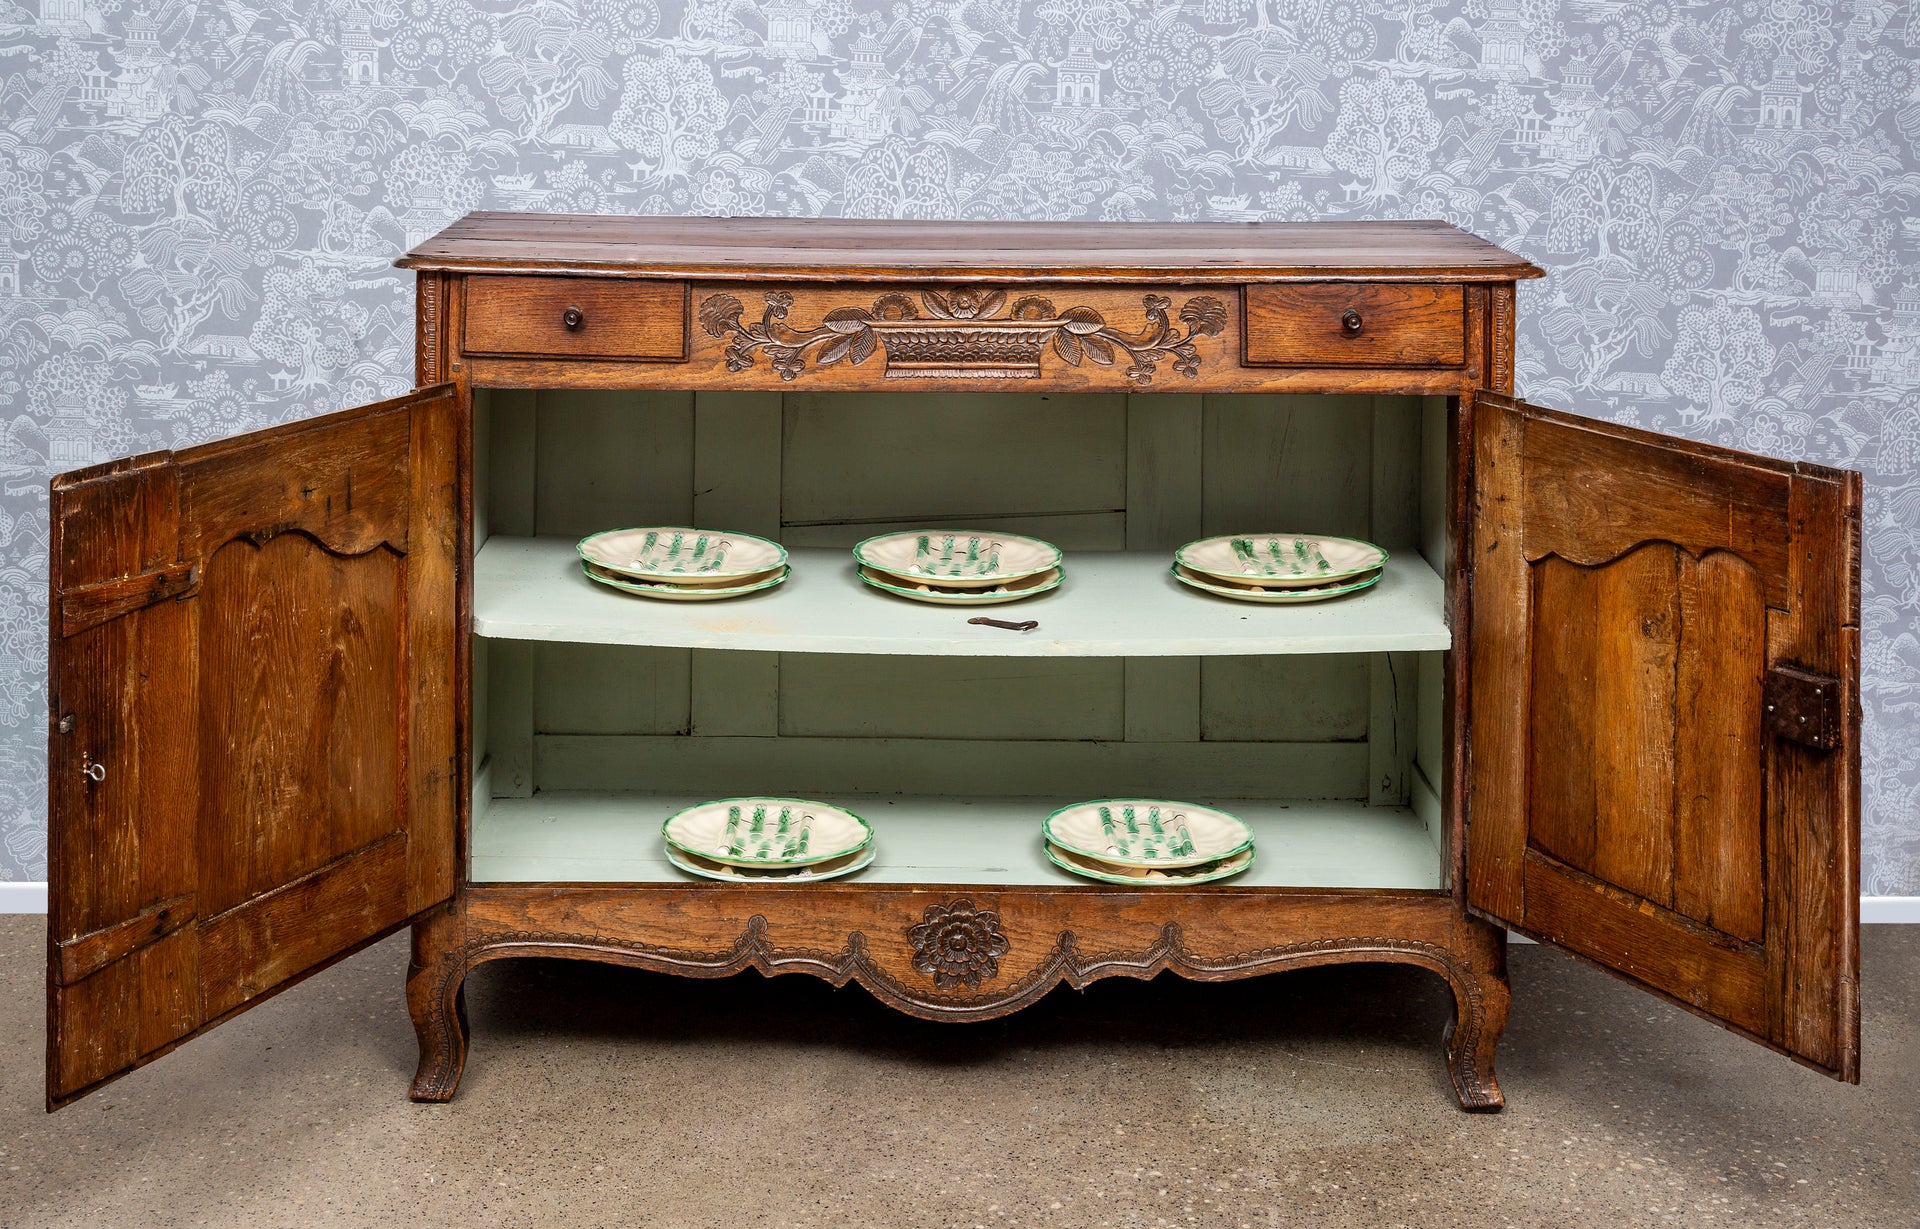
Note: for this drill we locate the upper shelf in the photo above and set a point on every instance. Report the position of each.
(1112, 604)
(845, 249)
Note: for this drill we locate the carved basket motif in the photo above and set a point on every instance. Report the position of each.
(964, 332)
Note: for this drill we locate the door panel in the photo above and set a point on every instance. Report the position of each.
(252, 755)
(1637, 794)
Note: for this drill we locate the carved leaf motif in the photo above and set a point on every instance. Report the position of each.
(937, 304)
(863, 346)
(847, 319)
(720, 315)
(1083, 320)
(1067, 345)
(1098, 349)
(836, 351)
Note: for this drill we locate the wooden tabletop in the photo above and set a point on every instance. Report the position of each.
(853, 249)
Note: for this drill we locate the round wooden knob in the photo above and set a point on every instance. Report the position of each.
(1350, 322)
(573, 317)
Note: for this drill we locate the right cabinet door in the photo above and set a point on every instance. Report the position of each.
(1663, 739)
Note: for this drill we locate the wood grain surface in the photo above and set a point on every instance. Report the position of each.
(1631, 594)
(868, 250)
(1333, 324)
(235, 765)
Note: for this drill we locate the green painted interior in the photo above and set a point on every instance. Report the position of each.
(1099, 472)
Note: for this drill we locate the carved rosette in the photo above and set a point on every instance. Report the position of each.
(966, 332)
(958, 944)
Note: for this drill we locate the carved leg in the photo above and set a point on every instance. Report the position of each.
(1480, 998)
(437, 1000)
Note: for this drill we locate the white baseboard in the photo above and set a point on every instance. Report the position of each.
(1890, 909)
(22, 897)
(19, 897)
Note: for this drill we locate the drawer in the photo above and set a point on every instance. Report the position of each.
(576, 317)
(1309, 325)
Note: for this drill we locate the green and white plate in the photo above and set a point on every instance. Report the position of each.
(1152, 832)
(766, 832)
(707, 868)
(1273, 597)
(1011, 591)
(1280, 560)
(1147, 876)
(667, 592)
(681, 555)
(957, 558)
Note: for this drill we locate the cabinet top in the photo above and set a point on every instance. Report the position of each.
(859, 249)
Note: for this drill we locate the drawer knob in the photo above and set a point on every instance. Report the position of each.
(1350, 322)
(573, 318)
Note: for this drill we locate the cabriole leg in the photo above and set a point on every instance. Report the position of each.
(437, 1000)
(1480, 999)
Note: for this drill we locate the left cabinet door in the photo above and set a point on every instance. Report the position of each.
(254, 720)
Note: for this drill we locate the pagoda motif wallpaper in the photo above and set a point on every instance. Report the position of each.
(200, 200)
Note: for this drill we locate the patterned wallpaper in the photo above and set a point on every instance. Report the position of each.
(199, 200)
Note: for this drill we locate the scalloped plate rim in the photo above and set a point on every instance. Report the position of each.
(1055, 854)
(1273, 597)
(862, 859)
(664, 592)
(976, 597)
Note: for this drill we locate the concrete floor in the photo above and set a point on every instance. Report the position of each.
(598, 1096)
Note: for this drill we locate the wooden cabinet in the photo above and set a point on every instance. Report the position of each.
(313, 684)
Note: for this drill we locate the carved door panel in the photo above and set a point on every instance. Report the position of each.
(254, 747)
(1664, 754)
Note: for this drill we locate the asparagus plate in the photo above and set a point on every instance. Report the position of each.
(955, 558)
(1280, 560)
(1152, 832)
(766, 832)
(1148, 876)
(1272, 597)
(707, 868)
(681, 555)
(682, 593)
(927, 591)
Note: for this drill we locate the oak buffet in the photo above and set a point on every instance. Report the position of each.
(315, 683)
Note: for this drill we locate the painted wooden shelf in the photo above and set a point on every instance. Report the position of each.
(615, 838)
(1112, 604)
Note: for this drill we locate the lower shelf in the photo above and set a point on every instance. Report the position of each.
(615, 838)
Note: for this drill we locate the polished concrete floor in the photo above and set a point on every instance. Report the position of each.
(598, 1096)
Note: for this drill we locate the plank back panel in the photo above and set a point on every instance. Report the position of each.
(1089, 472)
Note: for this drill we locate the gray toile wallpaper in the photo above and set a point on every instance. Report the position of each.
(199, 200)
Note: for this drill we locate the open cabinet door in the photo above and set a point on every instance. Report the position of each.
(1665, 740)
(252, 753)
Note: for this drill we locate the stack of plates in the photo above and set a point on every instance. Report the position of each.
(1277, 568)
(678, 564)
(1147, 841)
(744, 840)
(955, 567)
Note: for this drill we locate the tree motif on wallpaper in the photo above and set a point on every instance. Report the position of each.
(199, 205)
